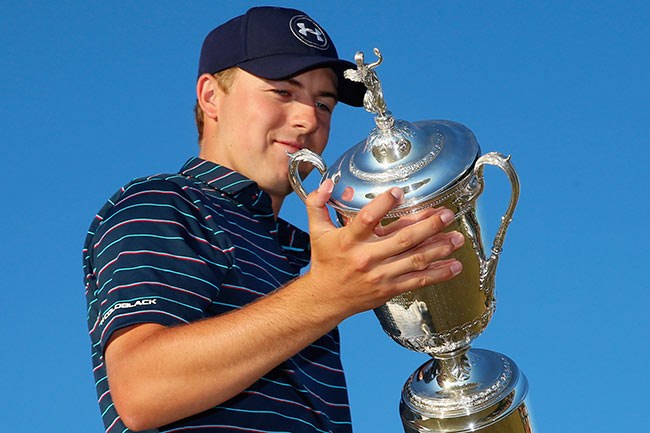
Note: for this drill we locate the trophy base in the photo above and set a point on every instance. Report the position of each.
(490, 398)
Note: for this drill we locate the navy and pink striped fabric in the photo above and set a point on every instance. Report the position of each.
(174, 249)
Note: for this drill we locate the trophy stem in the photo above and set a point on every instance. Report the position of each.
(451, 367)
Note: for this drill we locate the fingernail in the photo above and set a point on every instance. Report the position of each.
(457, 239)
(326, 186)
(397, 193)
(446, 216)
(455, 268)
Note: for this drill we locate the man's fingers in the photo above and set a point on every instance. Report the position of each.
(385, 229)
(436, 273)
(424, 265)
(424, 255)
(414, 234)
(371, 214)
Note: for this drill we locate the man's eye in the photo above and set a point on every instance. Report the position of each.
(323, 106)
(281, 92)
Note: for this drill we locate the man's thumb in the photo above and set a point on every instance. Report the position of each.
(317, 212)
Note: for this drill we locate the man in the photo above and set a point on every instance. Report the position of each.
(197, 318)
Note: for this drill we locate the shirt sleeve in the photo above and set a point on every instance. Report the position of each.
(155, 259)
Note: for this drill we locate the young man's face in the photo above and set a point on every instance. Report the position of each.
(259, 121)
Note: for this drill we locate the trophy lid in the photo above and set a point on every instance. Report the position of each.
(423, 158)
(436, 155)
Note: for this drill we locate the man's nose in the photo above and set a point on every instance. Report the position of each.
(305, 116)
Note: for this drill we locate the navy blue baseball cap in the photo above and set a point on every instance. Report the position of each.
(276, 43)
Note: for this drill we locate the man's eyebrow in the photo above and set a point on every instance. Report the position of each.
(325, 93)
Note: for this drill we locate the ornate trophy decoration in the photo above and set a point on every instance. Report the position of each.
(436, 163)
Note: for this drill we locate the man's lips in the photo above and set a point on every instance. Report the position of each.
(291, 146)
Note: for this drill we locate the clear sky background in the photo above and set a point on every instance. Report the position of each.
(96, 93)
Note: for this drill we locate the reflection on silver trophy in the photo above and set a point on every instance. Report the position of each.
(436, 163)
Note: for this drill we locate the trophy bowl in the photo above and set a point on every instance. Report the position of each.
(435, 163)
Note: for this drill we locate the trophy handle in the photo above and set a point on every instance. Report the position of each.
(503, 162)
(294, 162)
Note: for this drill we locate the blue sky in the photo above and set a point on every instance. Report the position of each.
(96, 93)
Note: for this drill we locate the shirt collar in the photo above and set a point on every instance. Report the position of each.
(246, 192)
(215, 175)
(228, 181)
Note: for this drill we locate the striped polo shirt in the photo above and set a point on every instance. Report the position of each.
(174, 249)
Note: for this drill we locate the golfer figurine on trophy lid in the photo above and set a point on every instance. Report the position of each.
(436, 163)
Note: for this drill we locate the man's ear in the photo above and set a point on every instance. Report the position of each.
(207, 91)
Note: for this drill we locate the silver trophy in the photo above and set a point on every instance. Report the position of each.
(436, 163)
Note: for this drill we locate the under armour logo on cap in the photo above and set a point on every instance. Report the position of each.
(308, 32)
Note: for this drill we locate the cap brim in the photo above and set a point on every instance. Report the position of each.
(279, 67)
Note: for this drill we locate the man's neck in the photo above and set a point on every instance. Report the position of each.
(276, 204)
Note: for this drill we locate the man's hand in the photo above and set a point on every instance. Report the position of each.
(362, 265)
(355, 268)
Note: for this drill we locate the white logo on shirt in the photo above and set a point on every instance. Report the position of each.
(124, 305)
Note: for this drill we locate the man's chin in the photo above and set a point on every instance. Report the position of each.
(280, 190)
